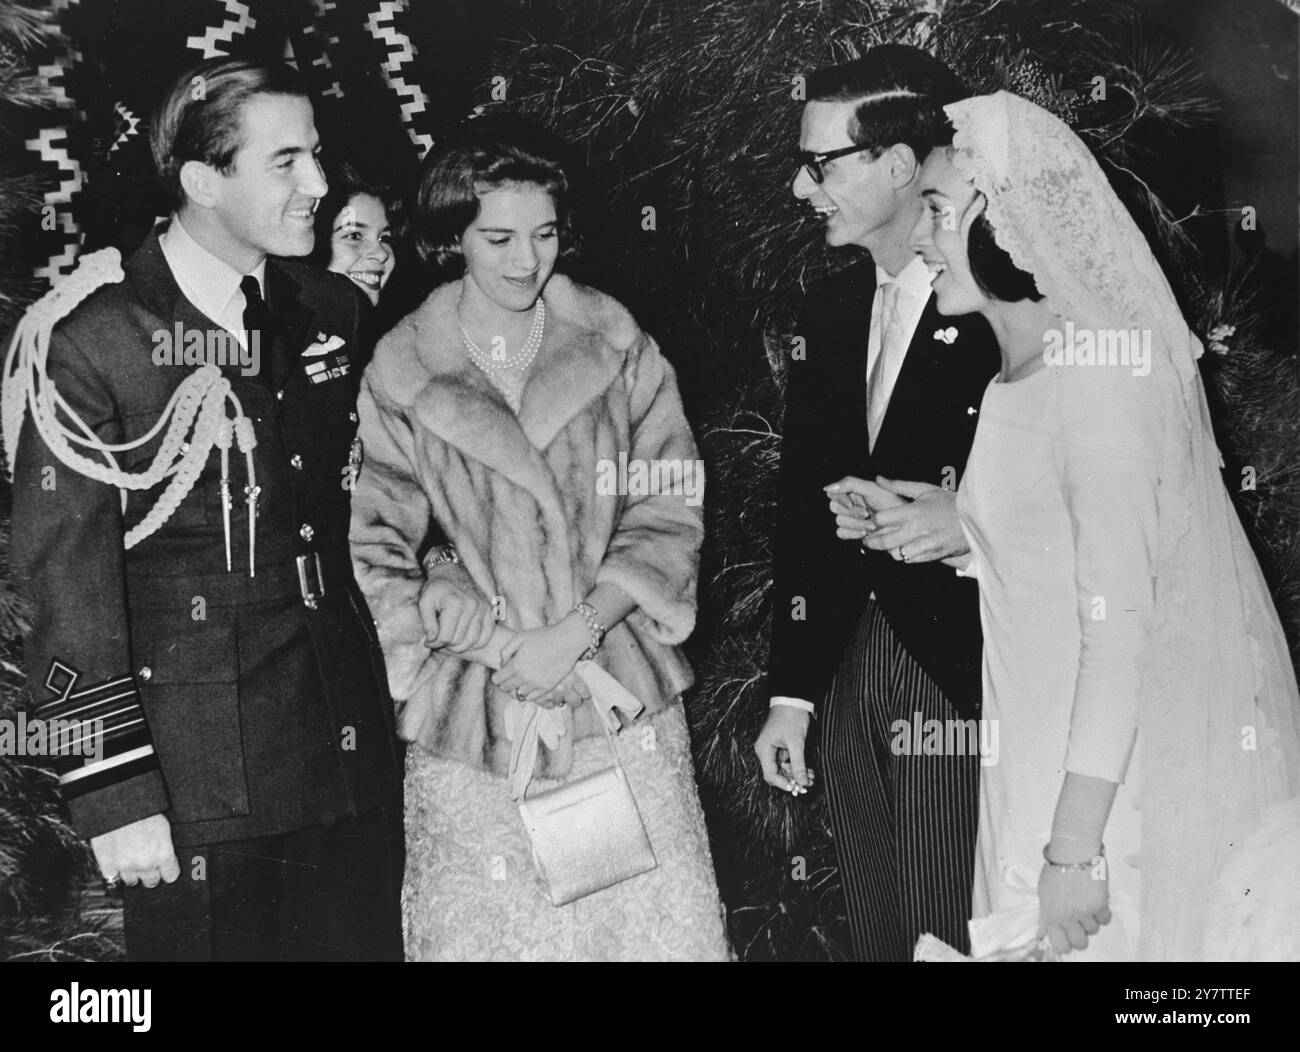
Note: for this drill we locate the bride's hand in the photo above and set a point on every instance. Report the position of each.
(854, 502)
(926, 529)
(535, 661)
(1072, 904)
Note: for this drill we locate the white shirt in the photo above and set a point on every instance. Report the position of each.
(913, 294)
(209, 283)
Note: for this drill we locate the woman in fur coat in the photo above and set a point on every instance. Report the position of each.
(528, 421)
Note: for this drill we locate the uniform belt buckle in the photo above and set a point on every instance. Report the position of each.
(311, 590)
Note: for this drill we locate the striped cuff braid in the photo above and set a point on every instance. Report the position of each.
(96, 735)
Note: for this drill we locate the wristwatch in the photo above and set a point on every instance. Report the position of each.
(439, 554)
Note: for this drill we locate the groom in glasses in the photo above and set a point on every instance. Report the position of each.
(887, 389)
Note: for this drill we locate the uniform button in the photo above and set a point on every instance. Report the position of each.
(306, 532)
(296, 462)
(145, 673)
(279, 396)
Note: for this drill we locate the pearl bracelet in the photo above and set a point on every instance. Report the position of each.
(594, 627)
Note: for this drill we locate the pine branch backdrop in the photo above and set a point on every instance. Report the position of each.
(683, 113)
(43, 865)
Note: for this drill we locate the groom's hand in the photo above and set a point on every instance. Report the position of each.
(854, 502)
(782, 741)
(138, 853)
(925, 529)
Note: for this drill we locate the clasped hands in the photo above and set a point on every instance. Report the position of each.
(536, 665)
(914, 521)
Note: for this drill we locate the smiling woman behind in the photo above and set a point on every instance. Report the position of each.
(357, 226)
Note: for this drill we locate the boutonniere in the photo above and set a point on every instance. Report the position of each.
(323, 345)
(1218, 338)
(947, 335)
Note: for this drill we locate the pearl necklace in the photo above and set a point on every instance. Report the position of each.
(526, 354)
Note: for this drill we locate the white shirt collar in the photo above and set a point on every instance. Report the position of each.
(209, 283)
(913, 280)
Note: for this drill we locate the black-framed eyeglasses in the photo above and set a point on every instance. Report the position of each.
(812, 162)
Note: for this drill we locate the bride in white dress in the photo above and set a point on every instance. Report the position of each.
(1143, 690)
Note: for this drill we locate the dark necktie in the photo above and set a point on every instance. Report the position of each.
(258, 320)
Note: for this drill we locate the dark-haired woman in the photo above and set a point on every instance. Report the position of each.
(1134, 668)
(490, 416)
(356, 225)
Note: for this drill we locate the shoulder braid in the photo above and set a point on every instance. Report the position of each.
(196, 408)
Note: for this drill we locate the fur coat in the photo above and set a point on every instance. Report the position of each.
(520, 500)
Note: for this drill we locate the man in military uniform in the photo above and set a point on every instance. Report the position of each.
(248, 789)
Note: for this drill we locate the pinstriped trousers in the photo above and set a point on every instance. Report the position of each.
(904, 825)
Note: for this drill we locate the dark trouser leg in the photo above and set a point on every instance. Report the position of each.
(172, 921)
(331, 893)
(355, 914)
(222, 908)
(904, 824)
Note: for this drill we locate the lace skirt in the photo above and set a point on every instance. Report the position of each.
(471, 893)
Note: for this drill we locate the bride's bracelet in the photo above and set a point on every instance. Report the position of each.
(1087, 866)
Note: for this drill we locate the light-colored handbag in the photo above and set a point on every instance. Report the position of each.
(587, 834)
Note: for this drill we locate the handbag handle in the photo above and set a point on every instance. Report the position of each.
(534, 724)
(526, 723)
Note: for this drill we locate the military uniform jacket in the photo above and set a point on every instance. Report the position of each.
(229, 703)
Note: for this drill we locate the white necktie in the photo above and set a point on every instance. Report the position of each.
(891, 347)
